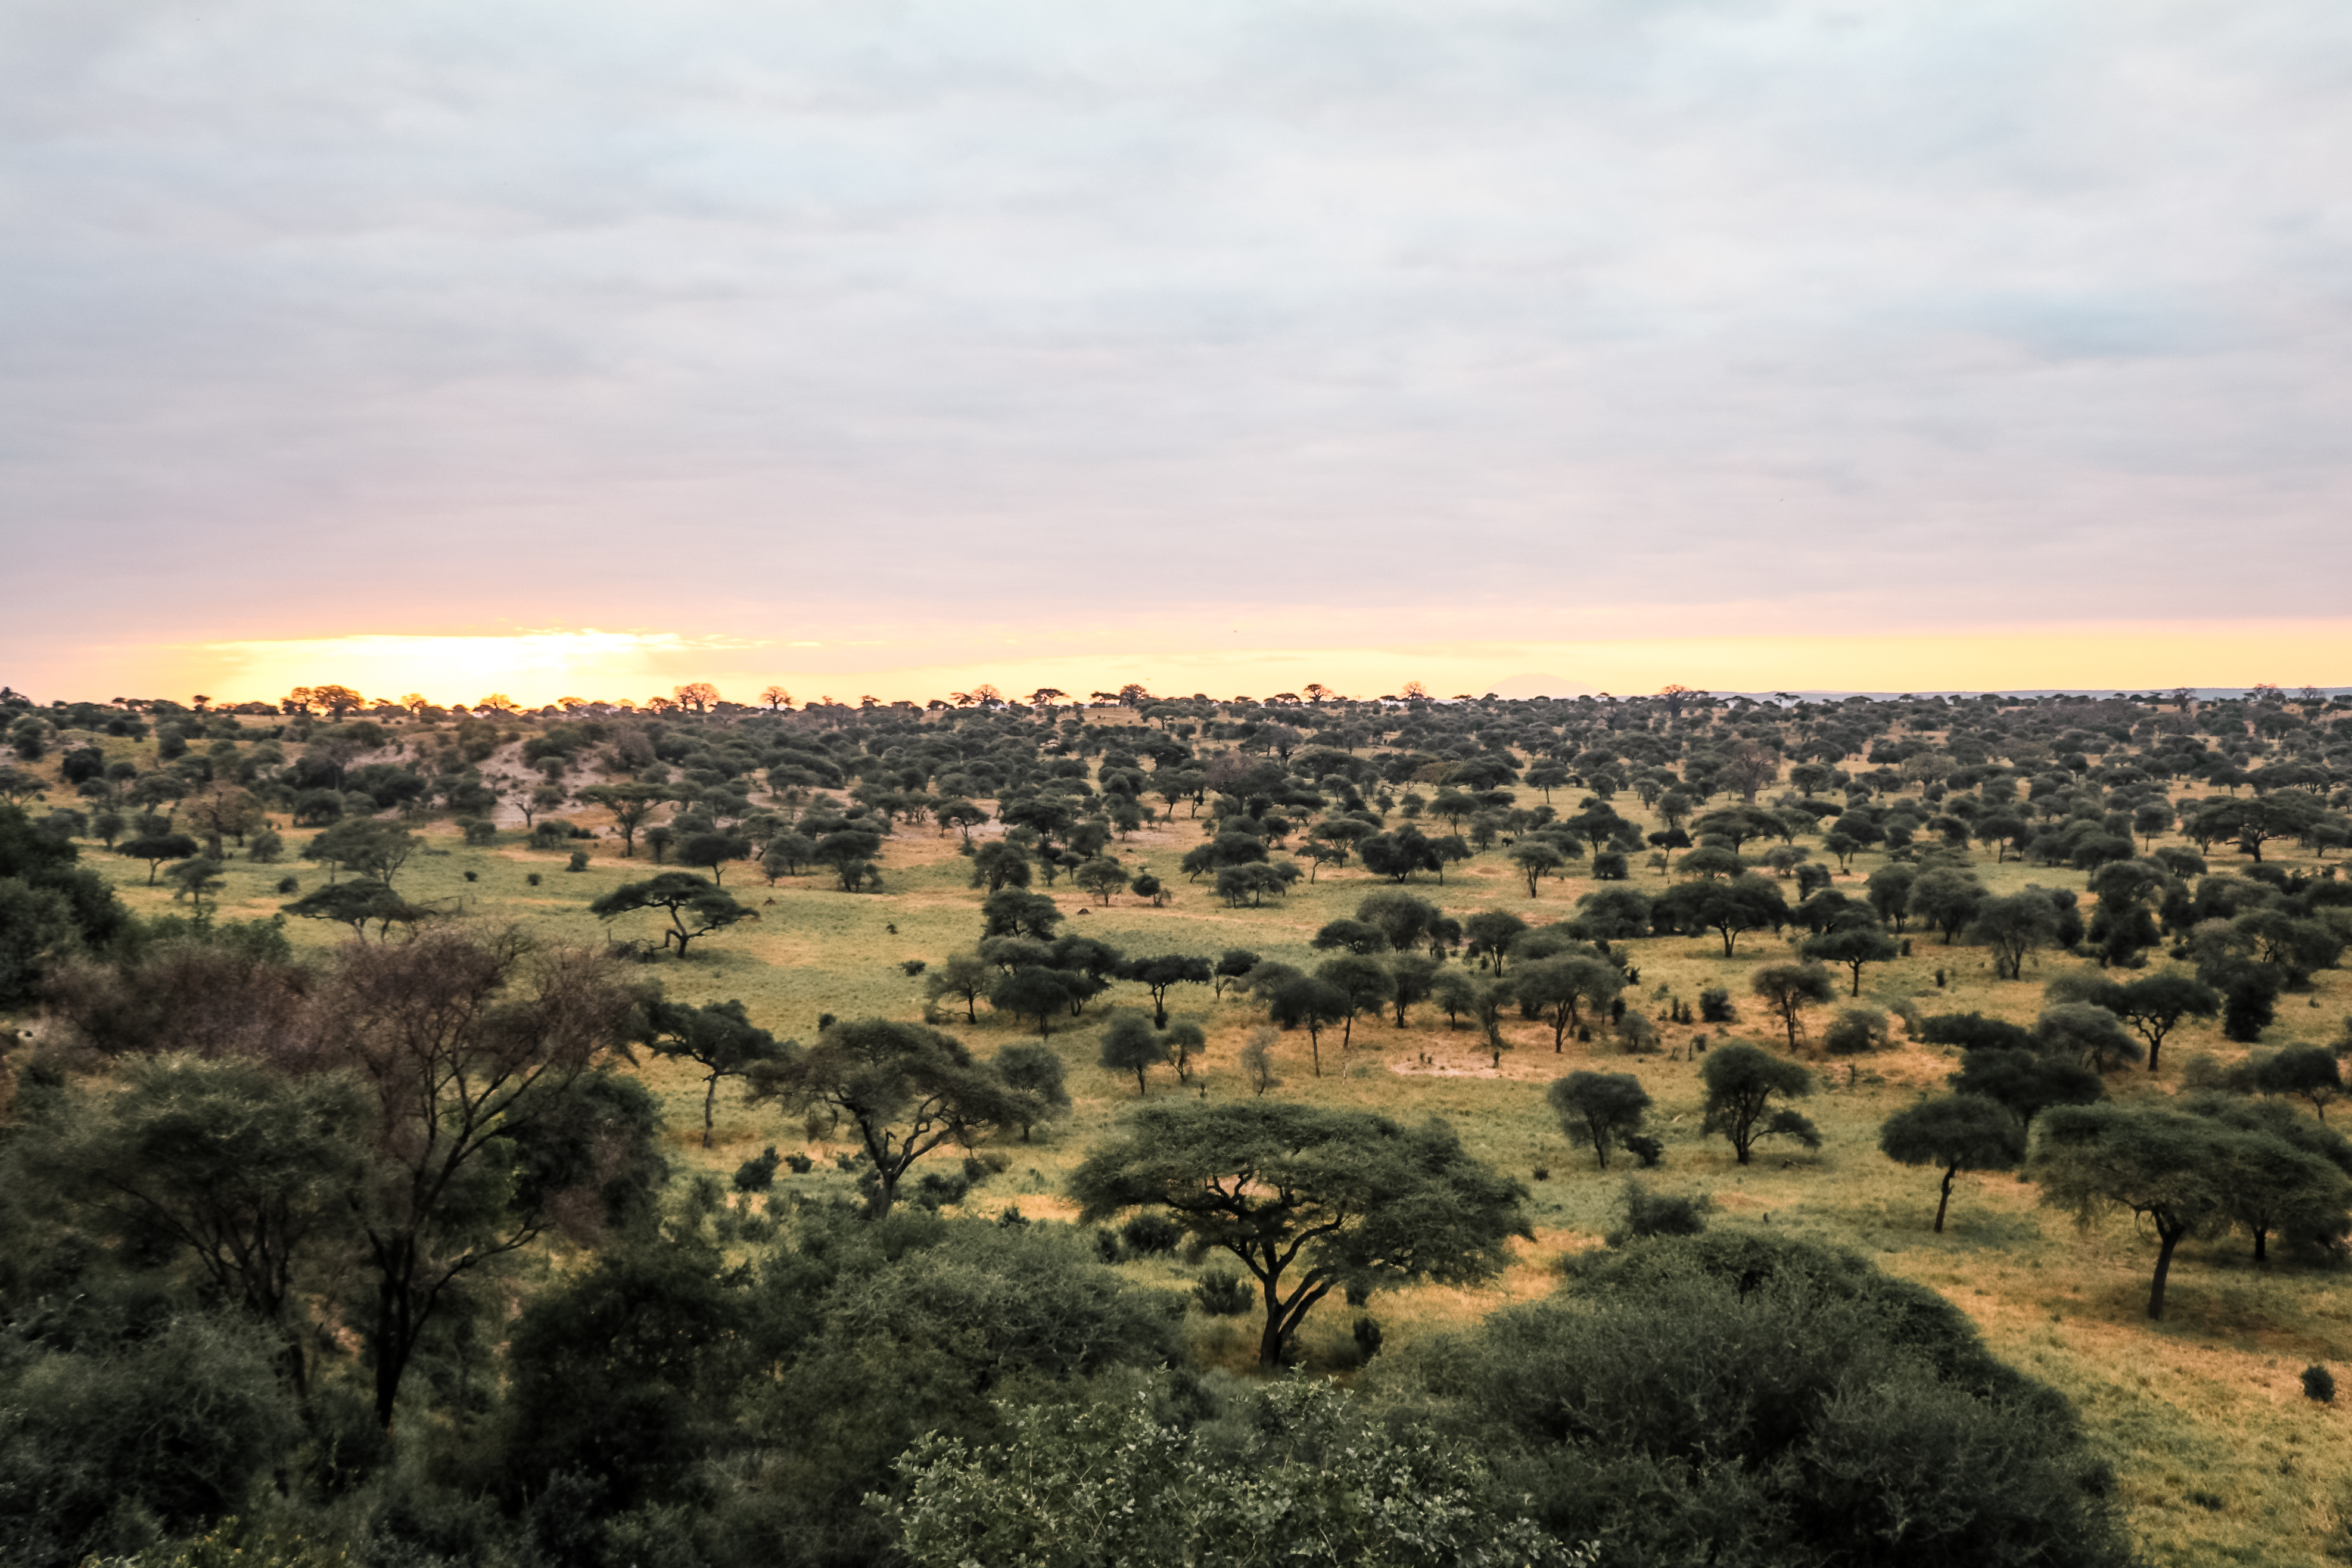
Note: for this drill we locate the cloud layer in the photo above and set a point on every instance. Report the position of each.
(843, 319)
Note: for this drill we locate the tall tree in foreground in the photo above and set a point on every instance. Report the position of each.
(1309, 1199)
(246, 1170)
(1958, 1132)
(465, 1043)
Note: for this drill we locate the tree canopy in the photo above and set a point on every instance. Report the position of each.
(1309, 1199)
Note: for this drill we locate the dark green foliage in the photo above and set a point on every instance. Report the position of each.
(2015, 928)
(1854, 944)
(1150, 1235)
(1130, 1044)
(906, 1089)
(720, 1039)
(1741, 1084)
(1974, 1031)
(2318, 1385)
(1957, 1132)
(1714, 1006)
(1856, 1031)
(696, 908)
(2169, 1169)
(1601, 1109)
(118, 1431)
(1308, 1200)
(49, 907)
(1730, 1398)
(1650, 1213)
(758, 1174)
(1222, 1293)
(2307, 1072)
(2026, 1081)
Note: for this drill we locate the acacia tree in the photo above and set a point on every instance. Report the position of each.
(695, 907)
(1561, 988)
(720, 1039)
(1131, 1045)
(2155, 1004)
(1309, 1199)
(906, 1090)
(463, 1042)
(1741, 1084)
(2166, 1168)
(1161, 975)
(1033, 1069)
(630, 805)
(1853, 945)
(1958, 1132)
(2015, 928)
(1604, 1108)
(247, 1169)
(1535, 860)
(157, 847)
(1788, 989)
(365, 847)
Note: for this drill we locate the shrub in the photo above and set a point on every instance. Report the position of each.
(913, 966)
(1367, 1339)
(533, 879)
(1151, 1235)
(1636, 1035)
(1649, 1214)
(800, 1165)
(2319, 1384)
(1674, 1385)
(1222, 1293)
(1714, 1006)
(936, 1192)
(290, 885)
(1856, 1031)
(579, 861)
(757, 1176)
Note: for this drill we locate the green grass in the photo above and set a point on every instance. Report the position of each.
(2207, 1402)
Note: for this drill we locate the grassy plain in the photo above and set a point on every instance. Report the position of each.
(2221, 1458)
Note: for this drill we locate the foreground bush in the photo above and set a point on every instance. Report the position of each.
(1734, 1400)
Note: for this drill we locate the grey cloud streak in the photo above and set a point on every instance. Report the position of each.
(541, 310)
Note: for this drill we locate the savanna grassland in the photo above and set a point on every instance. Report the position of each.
(2221, 1457)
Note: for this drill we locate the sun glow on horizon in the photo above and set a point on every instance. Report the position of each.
(540, 666)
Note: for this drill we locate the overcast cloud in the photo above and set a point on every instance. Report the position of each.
(325, 316)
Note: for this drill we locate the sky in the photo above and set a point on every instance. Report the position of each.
(895, 347)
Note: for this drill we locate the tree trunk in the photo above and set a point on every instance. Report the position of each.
(2167, 1238)
(1269, 1343)
(394, 1333)
(1945, 1202)
(709, 1098)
